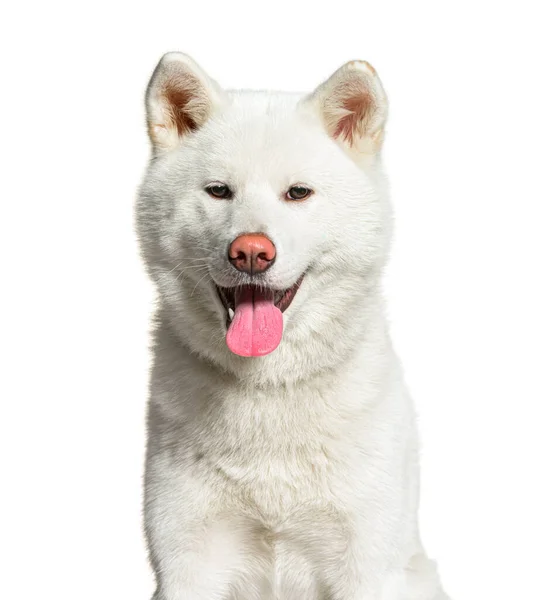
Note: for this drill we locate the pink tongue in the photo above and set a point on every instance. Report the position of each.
(257, 326)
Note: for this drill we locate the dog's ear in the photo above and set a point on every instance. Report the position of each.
(180, 98)
(353, 107)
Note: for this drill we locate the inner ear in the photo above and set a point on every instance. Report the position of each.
(352, 113)
(186, 102)
(353, 107)
(179, 100)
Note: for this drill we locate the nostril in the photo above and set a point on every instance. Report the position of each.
(252, 253)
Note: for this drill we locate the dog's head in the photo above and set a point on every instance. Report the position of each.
(263, 217)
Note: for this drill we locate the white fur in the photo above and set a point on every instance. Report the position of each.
(291, 476)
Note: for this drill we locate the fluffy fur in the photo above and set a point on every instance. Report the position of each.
(292, 476)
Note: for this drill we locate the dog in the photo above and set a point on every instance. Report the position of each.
(282, 456)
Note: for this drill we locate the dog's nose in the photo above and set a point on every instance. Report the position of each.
(252, 253)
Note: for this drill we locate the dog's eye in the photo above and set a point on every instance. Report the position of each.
(219, 190)
(298, 192)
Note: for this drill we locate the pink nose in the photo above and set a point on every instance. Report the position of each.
(252, 253)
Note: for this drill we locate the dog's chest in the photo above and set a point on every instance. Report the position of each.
(279, 454)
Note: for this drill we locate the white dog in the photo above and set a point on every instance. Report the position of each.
(282, 453)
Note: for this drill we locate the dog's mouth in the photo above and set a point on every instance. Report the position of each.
(254, 317)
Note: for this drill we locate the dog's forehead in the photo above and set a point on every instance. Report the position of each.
(264, 131)
(255, 121)
(263, 102)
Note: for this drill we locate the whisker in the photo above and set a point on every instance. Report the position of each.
(186, 268)
(188, 259)
(208, 274)
(164, 275)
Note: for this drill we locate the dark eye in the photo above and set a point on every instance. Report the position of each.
(298, 192)
(219, 190)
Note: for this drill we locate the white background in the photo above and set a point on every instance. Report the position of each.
(462, 155)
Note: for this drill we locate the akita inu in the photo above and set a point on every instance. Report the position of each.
(282, 447)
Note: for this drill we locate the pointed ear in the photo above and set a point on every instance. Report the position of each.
(180, 98)
(353, 107)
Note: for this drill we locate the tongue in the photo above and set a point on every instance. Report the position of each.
(257, 326)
